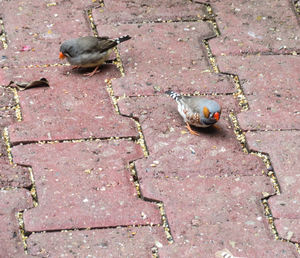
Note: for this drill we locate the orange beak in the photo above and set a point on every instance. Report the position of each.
(61, 55)
(217, 116)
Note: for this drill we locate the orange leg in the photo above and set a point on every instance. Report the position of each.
(75, 67)
(93, 72)
(191, 130)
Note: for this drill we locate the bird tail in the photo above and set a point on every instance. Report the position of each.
(122, 39)
(174, 95)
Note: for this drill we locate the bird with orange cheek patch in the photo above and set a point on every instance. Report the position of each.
(196, 111)
(89, 51)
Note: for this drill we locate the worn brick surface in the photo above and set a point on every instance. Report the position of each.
(255, 26)
(272, 83)
(12, 175)
(139, 11)
(7, 116)
(191, 196)
(57, 22)
(84, 185)
(11, 202)
(242, 240)
(73, 107)
(115, 242)
(177, 60)
(215, 152)
(284, 154)
(6, 97)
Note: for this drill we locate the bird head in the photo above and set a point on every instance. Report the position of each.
(211, 112)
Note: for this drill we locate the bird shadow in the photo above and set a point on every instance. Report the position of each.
(214, 130)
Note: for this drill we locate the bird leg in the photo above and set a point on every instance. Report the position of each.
(75, 67)
(191, 130)
(93, 72)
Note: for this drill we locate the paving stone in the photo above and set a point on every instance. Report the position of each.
(283, 154)
(84, 185)
(12, 175)
(288, 228)
(241, 240)
(73, 107)
(6, 97)
(139, 11)
(273, 84)
(215, 152)
(284, 157)
(114, 242)
(206, 185)
(11, 202)
(255, 26)
(31, 42)
(177, 60)
(7, 117)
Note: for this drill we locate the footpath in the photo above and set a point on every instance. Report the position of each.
(103, 166)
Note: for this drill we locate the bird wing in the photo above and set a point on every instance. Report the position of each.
(194, 103)
(95, 44)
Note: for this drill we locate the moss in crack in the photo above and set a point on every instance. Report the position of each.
(24, 237)
(239, 94)
(7, 143)
(271, 174)
(91, 21)
(270, 218)
(240, 135)
(33, 188)
(211, 57)
(165, 222)
(112, 95)
(3, 37)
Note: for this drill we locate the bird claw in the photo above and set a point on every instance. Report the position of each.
(191, 130)
(93, 72)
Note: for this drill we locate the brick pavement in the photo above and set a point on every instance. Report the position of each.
(103, 166)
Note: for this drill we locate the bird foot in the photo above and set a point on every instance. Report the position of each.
(75, 67)
(93, 72)
(191, 130)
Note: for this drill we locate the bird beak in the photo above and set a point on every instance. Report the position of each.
(217, 116)
(61, 55)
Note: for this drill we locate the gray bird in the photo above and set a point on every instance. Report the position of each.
(89, 51)
(197, 111)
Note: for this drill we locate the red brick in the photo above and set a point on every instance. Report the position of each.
(255, 26)
(240, 239)
(53, 24)
(288, 228)
(114, 242)
(283, 150)
(283, 154)
(6, 97)
(215, 152)
(139, 11)
(84, 185)
(272, 84)
(73, 107)
(7, 117)
(177, 60)
(12, 175)
(11, 202)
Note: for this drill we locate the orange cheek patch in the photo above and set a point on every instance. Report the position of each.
(206, 112)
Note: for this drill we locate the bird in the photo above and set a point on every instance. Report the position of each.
(196, 111)
(89, 51)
